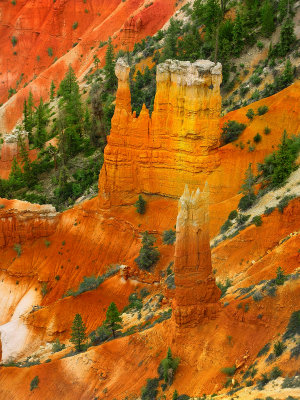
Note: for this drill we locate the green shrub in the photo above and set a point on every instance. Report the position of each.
(262, 110)
(169, 237)
(250, 114)
(257, 221)
(269, 210)
(18, 249)
(75, 25)
(267, 130)
(291, 382)
(224, 286)
(275, 373)
(57, 346)
(150, 391)
(50, 51)
(257, 138)
(230, 371)
(14, 41)
(231, 131)
(242, 219)
(44, 289)
(264, 350)
(34, 383)
(227, 224)
(140, 205)
(246, 202)
(279, 348)
(280, 277)
(260, 45)
(293, 327)
(232, 215)
(57, 277)
(47, 243)
(284, 202)
(149, 255)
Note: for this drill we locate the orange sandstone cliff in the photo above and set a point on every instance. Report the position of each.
(175, 146)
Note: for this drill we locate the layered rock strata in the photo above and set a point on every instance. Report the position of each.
(21, 221)
(176, 145)
(196, 295)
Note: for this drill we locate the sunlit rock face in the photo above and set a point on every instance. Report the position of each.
(176, 145)
(197, 295)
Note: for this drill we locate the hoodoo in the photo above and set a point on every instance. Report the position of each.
(176, 145)
(197, 295)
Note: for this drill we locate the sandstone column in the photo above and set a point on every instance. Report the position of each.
(196, 295)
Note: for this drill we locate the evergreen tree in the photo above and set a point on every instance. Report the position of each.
(283, 162)
(175, 395)
(109, 68)
(149, 254)
(52, 91)
(167, 367)
(287, 37)
(140, 205)
(96, 61)
(40, 135)
(170, 43)
(267, 18)
(78, 336)
(28, 116)
(113, 320)
(71, 115)
(247, 186)
(16, 176)
(238, 35)
(28, 174)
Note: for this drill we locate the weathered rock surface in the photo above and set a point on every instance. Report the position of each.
(176, 145)
(197, 295)
(21, 221)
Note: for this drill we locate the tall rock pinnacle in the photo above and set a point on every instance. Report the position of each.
(196, 296)
(177, 144)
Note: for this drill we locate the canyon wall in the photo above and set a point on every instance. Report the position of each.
(196, 295)
(177, 145)
(21, 221)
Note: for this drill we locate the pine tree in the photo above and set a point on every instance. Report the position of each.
(96, 61)
(267, 18)
(140, 205)
(71, 114)
(52, 91)
(287, 37)
(283, 162)
(28, 175)
(109, 68)
(16, 176)
(28, 116)
(167, 367)
(238, 35)
(170, 43)
(78, 336)
(113, 320)
(175, 395)
(40, 135)
(247, 186)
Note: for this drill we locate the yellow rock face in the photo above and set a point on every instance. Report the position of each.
(175, 146)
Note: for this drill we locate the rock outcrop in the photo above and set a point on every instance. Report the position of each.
(196, 295)
(176, 145)
(21, 221)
